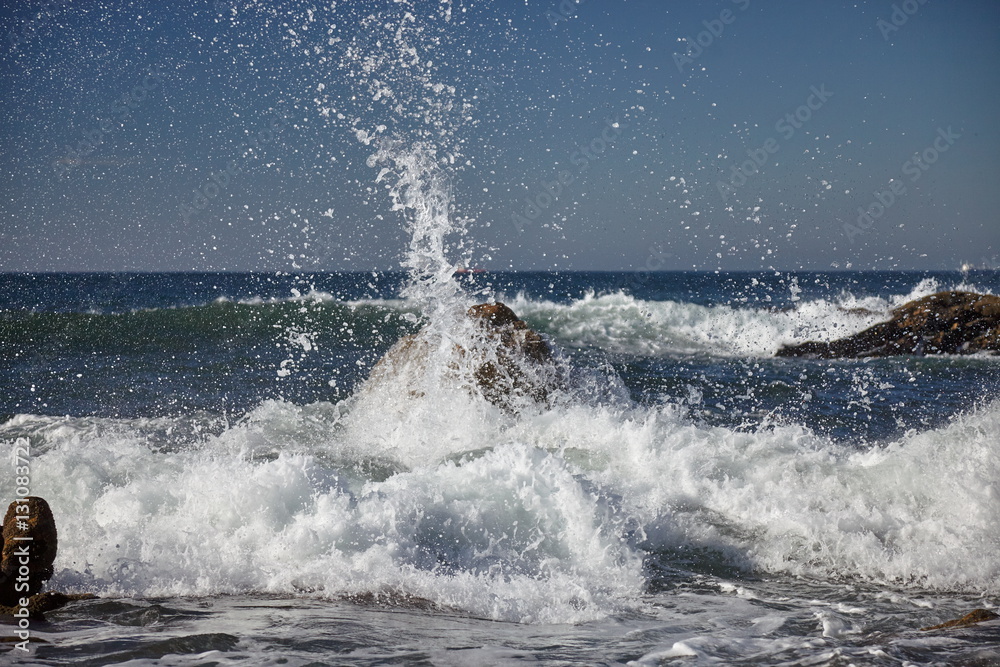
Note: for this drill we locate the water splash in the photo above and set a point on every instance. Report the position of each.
(422, 193)
(400, 103)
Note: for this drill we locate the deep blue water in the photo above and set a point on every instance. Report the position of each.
(137, 344)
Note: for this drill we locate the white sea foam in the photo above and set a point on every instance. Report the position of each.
(621, 323)
(417, 486)
(543, 518)
(312, 296)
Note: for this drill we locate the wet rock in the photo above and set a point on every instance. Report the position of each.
(28, 549)
(506, 360)
(28, 546)
(43, 602)
(502, 371)
(11, 639)
(972, 618)
(942, 323)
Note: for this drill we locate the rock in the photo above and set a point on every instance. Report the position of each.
(43, 602)
(513, 344)
(506, 361)
(942, 323)
(28, 547)
(972, 618)
(29, 527)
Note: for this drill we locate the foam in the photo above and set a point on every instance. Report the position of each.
(545, 518)
(622, 323)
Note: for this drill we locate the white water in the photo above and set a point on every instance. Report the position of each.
(543, 518)
(622, 323)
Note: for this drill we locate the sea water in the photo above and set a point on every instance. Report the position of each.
(230, 485)
(234, 484)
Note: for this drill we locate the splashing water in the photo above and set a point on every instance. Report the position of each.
(412, 120)
(422, 193)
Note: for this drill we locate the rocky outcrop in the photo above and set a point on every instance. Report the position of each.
(28, 549)
(42, 602)
(504, 359)
(974, 617)
(515, 352)
(942, 323)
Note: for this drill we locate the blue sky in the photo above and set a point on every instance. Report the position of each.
(645, 135)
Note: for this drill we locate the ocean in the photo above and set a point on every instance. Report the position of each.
(234, 488)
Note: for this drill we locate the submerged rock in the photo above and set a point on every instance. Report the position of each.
(972, 618)
(505, 361)
(942, 323)
(28, 549)
(42, 602)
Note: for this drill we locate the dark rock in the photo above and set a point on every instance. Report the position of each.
(972, 618)
(942, 323)
(28, 541)
(43, 602)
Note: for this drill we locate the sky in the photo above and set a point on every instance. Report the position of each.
(595, 135)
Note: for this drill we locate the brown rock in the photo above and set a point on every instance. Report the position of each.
(972, 618)
(518, 353)
(508, 360)
(942, 323)
(501, 324)
(28, 526)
